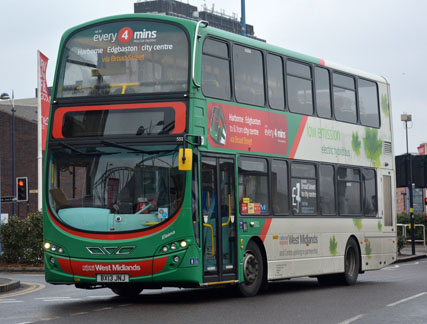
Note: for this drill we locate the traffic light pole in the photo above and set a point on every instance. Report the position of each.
(410, 189)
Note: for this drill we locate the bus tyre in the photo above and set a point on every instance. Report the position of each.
(253, 271)
(127, 291)
(351, 263)
(351, 268)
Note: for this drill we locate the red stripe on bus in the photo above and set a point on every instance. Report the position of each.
(298, 137)
(322, 62)
(113, 237)
(265, 229)
(178, 107)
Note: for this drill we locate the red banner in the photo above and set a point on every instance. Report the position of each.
(247, 129)
(43, 96)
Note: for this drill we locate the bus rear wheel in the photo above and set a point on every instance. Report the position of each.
(253, 271)
(351, 267)
(127, 290)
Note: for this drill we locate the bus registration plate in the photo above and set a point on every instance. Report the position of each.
(104, 277)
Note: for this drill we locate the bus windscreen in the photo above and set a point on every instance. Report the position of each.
(125, 57)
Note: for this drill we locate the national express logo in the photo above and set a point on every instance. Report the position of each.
(125, 35)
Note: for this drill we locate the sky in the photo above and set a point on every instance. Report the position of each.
(383, 37)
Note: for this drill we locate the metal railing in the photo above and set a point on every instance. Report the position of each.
(408, 226)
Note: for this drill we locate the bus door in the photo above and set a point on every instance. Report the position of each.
(218, 219)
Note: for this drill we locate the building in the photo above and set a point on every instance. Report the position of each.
(180, 9)
(25, 152)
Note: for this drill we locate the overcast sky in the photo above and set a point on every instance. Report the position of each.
(384, 37)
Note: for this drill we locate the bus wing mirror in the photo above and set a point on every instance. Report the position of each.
(185, 159)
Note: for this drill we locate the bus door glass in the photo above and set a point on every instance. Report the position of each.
(218, 218)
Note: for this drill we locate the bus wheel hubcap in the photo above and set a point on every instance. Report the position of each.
(250, 267)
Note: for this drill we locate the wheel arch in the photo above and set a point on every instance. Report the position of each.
(354, 237)
(260, 243)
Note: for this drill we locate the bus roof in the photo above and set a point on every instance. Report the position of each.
(236, 38)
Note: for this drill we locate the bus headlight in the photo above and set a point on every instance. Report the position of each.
(183, 244)
(47, 245)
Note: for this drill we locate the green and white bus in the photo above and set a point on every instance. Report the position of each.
(181, 155)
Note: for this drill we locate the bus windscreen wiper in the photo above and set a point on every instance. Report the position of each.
(72, 148)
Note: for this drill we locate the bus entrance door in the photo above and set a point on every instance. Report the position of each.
(218, 219)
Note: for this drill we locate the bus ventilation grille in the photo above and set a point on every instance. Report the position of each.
(387, 149)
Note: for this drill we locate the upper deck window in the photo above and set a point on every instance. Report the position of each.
(345, 98)
(248, 76)
(368, 103)
(300, 88)
(125, 57)
(216, 80)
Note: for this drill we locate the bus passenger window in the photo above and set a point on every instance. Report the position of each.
(276, 95)
(300, 88)
(248, 76)
(349, 191)
(216, 80)
(368, 103)
(253, 186)
(345, 98)
(323, 92)
(370, 204)
(303, 189)
(279, 187)
(327, 189)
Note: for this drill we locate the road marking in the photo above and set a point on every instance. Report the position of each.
(392, 267)
(59, 299)
(5, 301)
(406, 299)
(52, 297)
(33, 288)
(355, 318)
(81, 313)
(102, 309)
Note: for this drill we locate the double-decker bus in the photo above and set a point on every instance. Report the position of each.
(181, 155)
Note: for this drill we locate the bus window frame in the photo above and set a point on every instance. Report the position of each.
(120, 97)
(230, 65)
(311, 79)
(233, 85)
(378, 102)
(283, 61)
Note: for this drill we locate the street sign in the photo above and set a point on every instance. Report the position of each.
(7, 199)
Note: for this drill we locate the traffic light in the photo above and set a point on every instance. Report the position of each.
(22, 189)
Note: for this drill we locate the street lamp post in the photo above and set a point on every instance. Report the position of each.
(408, 118)
(5, 96)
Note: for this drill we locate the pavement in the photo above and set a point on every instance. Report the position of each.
(9, 284)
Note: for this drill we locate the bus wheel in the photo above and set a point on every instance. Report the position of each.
(127, 291)
(351, 263)
(253, 271)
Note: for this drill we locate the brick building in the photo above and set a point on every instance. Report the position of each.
(25, 152)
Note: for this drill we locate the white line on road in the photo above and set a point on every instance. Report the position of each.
(406, 299)
(355, 318)
(102, 309)
(81, 313)
(5, 301)
(52, 297)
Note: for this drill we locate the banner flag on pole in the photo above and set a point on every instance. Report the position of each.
(43, 95)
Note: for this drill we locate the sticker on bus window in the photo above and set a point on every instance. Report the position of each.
(162, 213)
